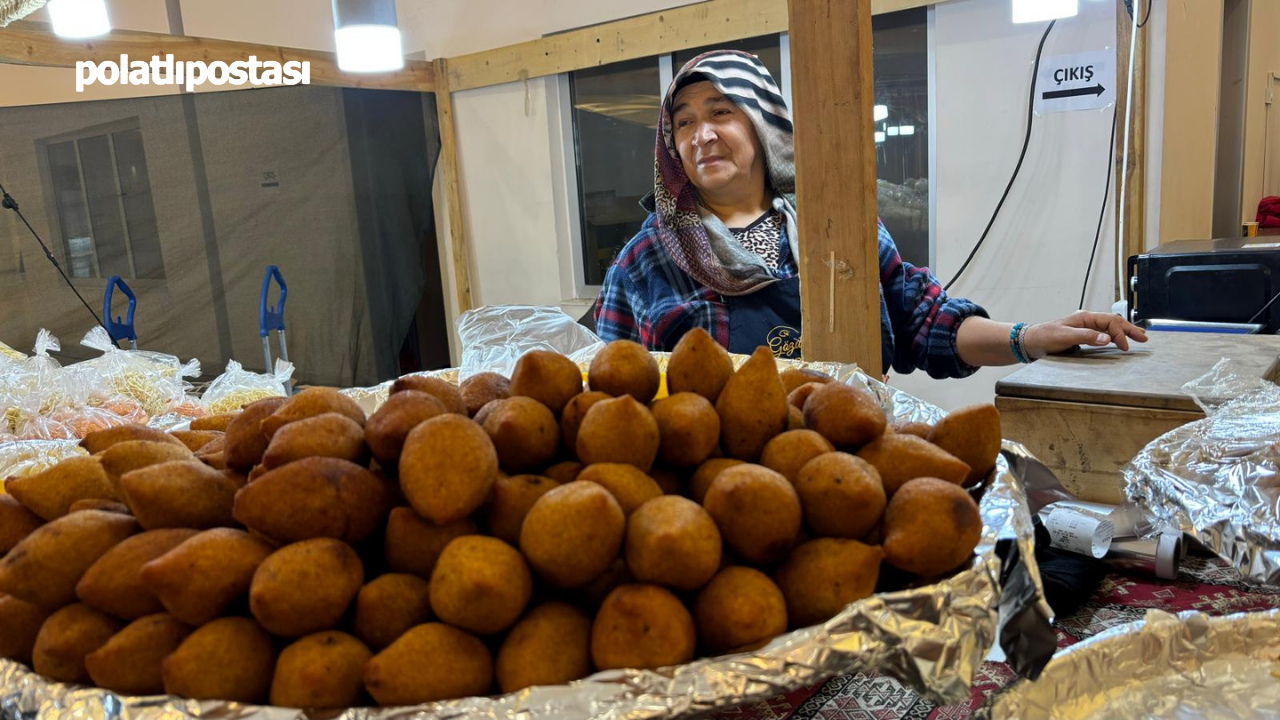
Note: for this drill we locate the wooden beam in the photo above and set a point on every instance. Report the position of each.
(831, 82)
(461, 265)
(28, 43)
(690, 26)
(1133, 210)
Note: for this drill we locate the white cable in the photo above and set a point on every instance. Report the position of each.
(1124, 163)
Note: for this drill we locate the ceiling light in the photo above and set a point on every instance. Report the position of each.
(880, 112)
(79, 18)
(907, 130)
(367, 36)
(1029, 11)
(892, 131)
(879, 137)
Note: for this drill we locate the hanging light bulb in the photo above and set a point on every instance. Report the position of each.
(1028, 11)
(79, 18)
(367, 36)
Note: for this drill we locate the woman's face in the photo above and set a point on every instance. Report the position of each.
(717, 143)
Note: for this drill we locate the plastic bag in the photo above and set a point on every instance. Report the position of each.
(494, 337)
(19, 459)
(36, 386)
(237, 387)
(154, 380)
(1229, 383)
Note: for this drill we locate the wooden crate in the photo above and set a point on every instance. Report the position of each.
(1086, 414)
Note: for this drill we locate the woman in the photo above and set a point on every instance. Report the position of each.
(719, 248)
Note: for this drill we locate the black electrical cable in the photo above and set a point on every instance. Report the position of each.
(1031, 101)
(1106, 193)
(8, 203)
(1148, 17)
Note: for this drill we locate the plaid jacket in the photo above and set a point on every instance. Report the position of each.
(648, 299)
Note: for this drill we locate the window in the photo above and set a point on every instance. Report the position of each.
(614, 116)
(102, 198)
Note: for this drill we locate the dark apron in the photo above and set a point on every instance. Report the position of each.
(769, 317)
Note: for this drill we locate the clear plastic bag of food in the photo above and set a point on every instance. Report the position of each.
(35, 386)
(494, 337)
(157, 382)
(28, 457)
(237, 387)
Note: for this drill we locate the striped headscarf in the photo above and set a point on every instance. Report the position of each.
(696, 239)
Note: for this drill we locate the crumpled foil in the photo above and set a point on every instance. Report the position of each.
(1188, 665)
(28, 457)
(1218, 479)
(932, 638)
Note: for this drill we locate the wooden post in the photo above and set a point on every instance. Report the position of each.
(452, 187)
(831, 84)
(1133, 209)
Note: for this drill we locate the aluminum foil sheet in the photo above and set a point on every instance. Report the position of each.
(1218, 479)
(932, 638)
(1188, 666)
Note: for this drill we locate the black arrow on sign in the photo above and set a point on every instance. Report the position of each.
(1074, 92)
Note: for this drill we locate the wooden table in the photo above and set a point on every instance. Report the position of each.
(1086, 414)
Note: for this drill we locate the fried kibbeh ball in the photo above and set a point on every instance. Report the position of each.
(483, 388)
(842, 496)
(524, 432)
(431, 662)
(931, 526)
(67, 637)
(847, 416)
(899, 458)
(688, 429)
(548, 377)
(480, 584)
(388, 606)
(129, 663)
(698, 364)
(822, 576)
(707, 472)
(305, 587)
(309, 403)
(447, 468)
(752, 407)
(231, 659)
(323, 670)
(972, 434)
(619, 430)
(571, 417)
(445, 392)
(789, 452)
(624, 367)
(507, 507)
(551, 645)
(630, 486)
(644, 627)
(572, 534)
(757, 511)
(739, 609)
(673, 541)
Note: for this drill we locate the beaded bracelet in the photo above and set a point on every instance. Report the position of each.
(1017, 337)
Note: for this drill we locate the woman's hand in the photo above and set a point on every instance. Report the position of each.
(1081, 328)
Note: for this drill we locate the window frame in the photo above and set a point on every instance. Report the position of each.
(108, 129)
(564, 171)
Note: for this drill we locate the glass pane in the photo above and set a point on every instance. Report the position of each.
(902, 114)
(139, 213)
(615, 114)
(73, 217)
(104, 206)
(766, 47)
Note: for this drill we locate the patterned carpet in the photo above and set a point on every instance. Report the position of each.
(1205, 584)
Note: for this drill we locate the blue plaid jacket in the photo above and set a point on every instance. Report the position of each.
(647, 298)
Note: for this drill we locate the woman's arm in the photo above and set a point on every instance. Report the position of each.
(982, 342)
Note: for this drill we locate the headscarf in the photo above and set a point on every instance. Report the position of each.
(695, 238)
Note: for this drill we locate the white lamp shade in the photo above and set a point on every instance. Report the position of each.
(369, 48)
(79, 18)
(1028, 11)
